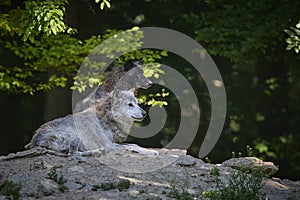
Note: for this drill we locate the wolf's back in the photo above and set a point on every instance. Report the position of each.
(56, 134)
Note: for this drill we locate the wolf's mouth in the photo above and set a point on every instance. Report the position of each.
(137, 118)
(147, 86)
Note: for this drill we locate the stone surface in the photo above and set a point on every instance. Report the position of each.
(48, 187)
(110, 175)
(250, 164)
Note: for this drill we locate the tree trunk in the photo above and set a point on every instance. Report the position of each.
(58, 101)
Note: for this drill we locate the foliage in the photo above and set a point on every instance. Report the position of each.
(249, 152)
(241, 185)
(215, 172)
(114, 44)
(103, 3)
(293, 40)
(123, 184)
(157, 99)
(60, 180)
(180, 194)
(62, 55)
(38, 18)
(39, 22)
(58, 54)
(247, 39)
(10, 190)
(238, 30)
(53, 55)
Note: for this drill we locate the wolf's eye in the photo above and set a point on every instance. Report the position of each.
(130, 104)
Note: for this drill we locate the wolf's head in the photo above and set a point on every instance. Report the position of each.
(125, 107)
(133, 76)
(129, 64)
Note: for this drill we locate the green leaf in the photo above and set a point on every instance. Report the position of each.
(107, 3)
(298, 25)
(164, 53)
(102, 5)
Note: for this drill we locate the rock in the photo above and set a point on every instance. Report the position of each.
(134, 193)
(72, 186)
(251, 164)
(77, 169)
(48, 187)
(185, 161)
(127, 175)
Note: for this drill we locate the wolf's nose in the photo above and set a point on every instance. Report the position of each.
(150, 83)
(144, 114)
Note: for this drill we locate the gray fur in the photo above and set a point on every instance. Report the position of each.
(101, 127)
(129, 75)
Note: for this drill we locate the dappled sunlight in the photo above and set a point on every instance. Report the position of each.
(146, 182)
(276, 185)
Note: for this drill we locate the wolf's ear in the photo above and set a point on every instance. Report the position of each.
(132, 90)
(139, 62)
(110, 94)
(128, 65)
(117, 93)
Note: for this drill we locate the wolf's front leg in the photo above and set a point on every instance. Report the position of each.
(95, 152)
(136, 148)
(75, 149)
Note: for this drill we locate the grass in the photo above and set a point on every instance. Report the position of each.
(242, 185)
(60, 180)
(180, 194)
(249, 153)
(11, 190)
(215, 172)
(123, 184)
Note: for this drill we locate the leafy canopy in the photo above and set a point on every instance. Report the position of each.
(245, 31)
(44, 53)
(293, 40)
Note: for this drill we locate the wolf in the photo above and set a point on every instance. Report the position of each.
(102, 127)
(129, 75)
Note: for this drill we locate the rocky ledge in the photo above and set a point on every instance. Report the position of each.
(41, 174)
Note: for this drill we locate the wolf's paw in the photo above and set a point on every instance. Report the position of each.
(135, 148)
(144, 151)
(95, 152)
(98, 152)
(151, 152)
